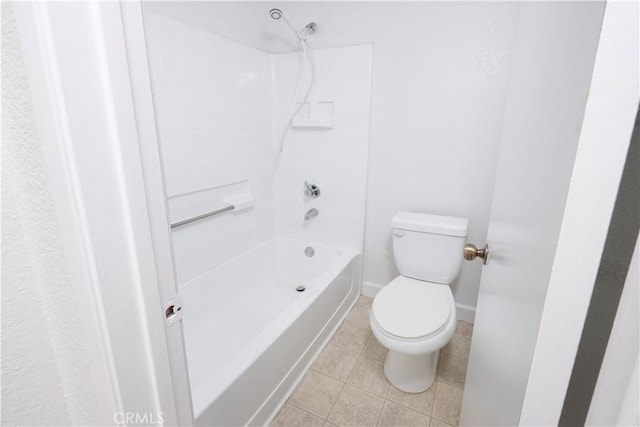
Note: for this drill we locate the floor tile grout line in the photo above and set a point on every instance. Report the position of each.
(409, 407)
(361, 388)
(366, 391)
(307, 410)
(443, 380)
(331, 376)
(434, 404)
(435, 395)
(454, 354)
(384, 403)
(442, 421)
(372, 358)
(300, 408)
(351, 370)
(334, 403)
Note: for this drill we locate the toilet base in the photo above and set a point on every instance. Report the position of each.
(411, 373)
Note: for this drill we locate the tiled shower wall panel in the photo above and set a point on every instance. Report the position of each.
(335, 158)
(214, 101)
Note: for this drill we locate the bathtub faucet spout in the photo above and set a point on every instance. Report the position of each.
(311, 213)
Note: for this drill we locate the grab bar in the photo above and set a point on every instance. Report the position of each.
(205, 215)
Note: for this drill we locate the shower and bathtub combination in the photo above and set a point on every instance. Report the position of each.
(267, 235)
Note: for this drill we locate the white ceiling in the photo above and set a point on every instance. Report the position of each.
(339, 23)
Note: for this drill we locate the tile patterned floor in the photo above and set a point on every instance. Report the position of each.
(346, 385)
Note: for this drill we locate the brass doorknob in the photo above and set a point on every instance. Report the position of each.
(471, 252)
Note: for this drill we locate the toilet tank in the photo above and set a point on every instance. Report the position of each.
(428, 247)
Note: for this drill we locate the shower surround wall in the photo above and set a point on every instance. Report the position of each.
(213, 100)
(222, 107)
(335, 159)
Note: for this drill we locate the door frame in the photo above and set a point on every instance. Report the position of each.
(608, 123)
(89, 79)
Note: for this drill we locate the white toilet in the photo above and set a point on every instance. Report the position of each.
(414, 316)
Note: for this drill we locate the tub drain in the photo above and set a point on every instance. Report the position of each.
(300, 288)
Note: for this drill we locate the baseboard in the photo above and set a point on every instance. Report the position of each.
(465, 313)
(370, 289)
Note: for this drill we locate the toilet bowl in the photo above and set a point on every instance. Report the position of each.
(414, 316)
(414, 320)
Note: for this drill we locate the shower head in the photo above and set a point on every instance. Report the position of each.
(275, 13)
(308, 29)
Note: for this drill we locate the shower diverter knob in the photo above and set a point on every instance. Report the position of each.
(311, 190)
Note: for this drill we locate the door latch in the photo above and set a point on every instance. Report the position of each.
(173, 311)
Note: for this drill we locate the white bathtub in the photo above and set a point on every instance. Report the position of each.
(249, 335)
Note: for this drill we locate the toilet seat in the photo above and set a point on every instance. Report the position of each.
(411, 309)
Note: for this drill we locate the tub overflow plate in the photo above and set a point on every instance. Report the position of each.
(300, 288)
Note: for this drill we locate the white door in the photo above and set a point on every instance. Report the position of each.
(550, 78)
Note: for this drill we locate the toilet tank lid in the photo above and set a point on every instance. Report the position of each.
(427, 223)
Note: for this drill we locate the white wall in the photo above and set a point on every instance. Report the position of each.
(46, 377)
(438, 97)
(335, 159)
(213, 101)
